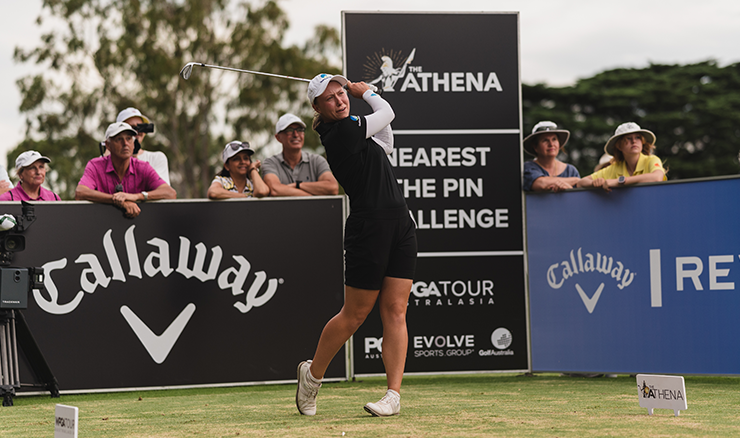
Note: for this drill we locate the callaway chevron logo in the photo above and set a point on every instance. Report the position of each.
(93, 278)
(579, 263)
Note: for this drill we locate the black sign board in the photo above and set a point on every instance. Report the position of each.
(453, 82)
(188, 293)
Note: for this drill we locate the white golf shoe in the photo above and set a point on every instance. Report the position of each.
(308, 389)
(389, 405)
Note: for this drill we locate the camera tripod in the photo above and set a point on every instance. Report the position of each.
(14, 332)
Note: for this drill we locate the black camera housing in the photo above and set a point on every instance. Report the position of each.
(17, 283)
(146, 128)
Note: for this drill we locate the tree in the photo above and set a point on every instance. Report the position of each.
(694, 110)
(118, 53)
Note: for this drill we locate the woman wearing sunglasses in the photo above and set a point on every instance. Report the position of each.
(240, 177)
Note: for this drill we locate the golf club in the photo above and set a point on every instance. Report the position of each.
(187, 70)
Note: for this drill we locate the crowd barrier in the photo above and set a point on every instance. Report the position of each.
(189, 293)
(640, 280)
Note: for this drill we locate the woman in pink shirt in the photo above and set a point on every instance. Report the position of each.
(30, 166)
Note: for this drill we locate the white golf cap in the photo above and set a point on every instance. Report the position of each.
(319, 83)
(287, 120)
(117, 128)
(29, 157)
(234, 148)
(624, 129)
(131, 112)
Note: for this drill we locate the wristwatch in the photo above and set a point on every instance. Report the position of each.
(621, 180)
(298, 184)
(146, 195)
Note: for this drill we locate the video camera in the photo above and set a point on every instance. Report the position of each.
(16, 283)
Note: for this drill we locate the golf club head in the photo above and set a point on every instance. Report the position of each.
(187, 70)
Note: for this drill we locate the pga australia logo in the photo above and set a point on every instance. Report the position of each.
(93, 277)
(578, 263)
(386, 69)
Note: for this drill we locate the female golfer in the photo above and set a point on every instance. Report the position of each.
(379, 238)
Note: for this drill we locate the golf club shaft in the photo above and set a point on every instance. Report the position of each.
(200, 64)
(188, 68)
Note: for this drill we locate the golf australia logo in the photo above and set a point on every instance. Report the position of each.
(156, 263)
(387, 68)
(583, 263)
(501, 340)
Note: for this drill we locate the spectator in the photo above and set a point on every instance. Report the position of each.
(157, 159)
(546, 142)
(5, 183)
(117, 179)
(234, 179)
(633, 162)
(30, 167)
(295, 172)
(604, 161)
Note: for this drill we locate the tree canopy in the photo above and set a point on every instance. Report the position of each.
(694, 111)
(112, 54)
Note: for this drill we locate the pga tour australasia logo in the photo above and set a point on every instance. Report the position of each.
(578, 263)
(233, 279)
(387, 68)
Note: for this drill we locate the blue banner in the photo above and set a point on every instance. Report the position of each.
(639, 280)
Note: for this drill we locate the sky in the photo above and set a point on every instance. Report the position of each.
(560, 40)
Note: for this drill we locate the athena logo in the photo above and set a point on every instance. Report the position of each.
(501, 338)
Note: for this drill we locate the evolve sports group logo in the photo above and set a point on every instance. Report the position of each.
(387, 68)
(578, 263)
(445, 345)
(157, 262)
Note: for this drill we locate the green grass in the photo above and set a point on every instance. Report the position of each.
(479, 405)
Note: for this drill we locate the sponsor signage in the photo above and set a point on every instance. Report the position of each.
(458, 162)
(661, 392)
(654, 266)
(66, 423)
(188, 293)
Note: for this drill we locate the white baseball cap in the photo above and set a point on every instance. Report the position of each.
(287, 120)
(29, 157)
(131, 112)
(319, 83)
(234, 148)
(117, 128)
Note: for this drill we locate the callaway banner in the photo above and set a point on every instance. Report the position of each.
(639, 280)
(458, 162)
(188, 293)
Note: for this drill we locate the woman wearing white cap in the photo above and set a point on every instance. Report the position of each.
(31, 169)
(633, 162)
(546, 172)
(240, 177)
(379, 239)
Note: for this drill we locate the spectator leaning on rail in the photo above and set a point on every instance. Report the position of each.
(120, 180)
(5, 183)
(157, 159)
(633, 162)
(240, 177)
(30, 167)
(295, 172)
(545, 143)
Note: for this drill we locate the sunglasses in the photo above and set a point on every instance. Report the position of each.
(290, 131)
(236, 145)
